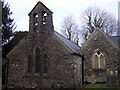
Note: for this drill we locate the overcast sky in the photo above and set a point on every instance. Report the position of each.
(60, 8)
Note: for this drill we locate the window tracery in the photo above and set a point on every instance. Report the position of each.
(98, 60)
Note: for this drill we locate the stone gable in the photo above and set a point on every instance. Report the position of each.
(46, 59)
(40, 60)
(99, 41)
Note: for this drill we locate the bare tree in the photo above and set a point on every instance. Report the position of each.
(70, 29)
(94, 17)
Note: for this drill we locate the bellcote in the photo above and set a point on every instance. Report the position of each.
(40, 18)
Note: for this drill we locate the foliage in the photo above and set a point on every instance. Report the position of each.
(96, 86)
(99, 86)
(70, 29)
(7, 23)
(16, 38)
(95, 17)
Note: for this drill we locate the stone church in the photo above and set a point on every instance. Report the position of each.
(46, 59)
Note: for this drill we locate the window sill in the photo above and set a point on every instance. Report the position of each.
(36, 75)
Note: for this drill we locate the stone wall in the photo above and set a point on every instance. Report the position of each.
(64, 68)
(98, 40)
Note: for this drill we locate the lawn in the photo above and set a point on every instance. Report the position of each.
(100, 86)
(96, 86)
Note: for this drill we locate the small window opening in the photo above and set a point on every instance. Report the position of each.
(35, 19)
(36, 16)
(44, 17)
(36, 23)
(98, 52)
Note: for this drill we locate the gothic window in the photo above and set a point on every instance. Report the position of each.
(45, 64)
(44, 17)
(38, 64)
(35, 19)
(96, 65)
(102, 61)
(98, 60)
(30, 64)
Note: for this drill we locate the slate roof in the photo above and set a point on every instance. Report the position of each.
(116, 40)
(71, 45)
(75, 48)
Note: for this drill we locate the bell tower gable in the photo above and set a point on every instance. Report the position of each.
(40, 19)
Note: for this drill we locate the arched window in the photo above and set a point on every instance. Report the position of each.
(38, 63)
(44, 17)
(35, 19)
(30, 64)
(45, 63)
(98, 60)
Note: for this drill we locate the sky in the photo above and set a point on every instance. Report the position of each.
(60, 9)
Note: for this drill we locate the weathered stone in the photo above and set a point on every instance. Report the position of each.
(60, 71)
(42, 60)
(105, 45)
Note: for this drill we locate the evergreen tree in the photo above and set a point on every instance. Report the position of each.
(7, 26)
(11, 44)
(7, 23)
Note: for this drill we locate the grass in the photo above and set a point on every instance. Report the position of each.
(96, 86)
(100, 86)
